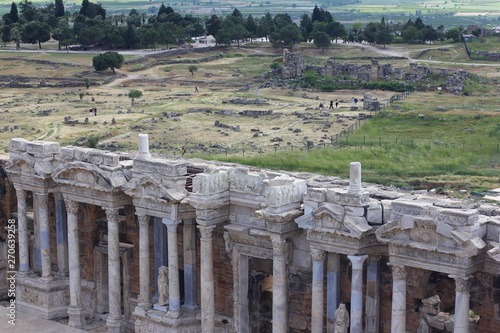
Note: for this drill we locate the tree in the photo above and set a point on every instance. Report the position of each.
(383, 35)
(192, 69)
(322, 40)
(133, 94)
(455, 34)
(28, 11)
(59, 8)
(306, 27)
(63, 35)
(16, 34)
(336, 30)
(13, 15)
(107, 60)
(36, 32)
(286, 37)
(213, 24)
(86, 82)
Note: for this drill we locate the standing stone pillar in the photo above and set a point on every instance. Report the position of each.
(462, 288)
(43, 218)
(333, 289)
(143, 147)
(357, 293)
(189, 241)
(207, 280)
(144, 267)
(318, 257)
(114, 322)
(62, 234)
(22, 224)
(398, 318)
(75, 310)
(372, 308)
(355, 179)
(160, 249)
(280, 286)
(174, 295)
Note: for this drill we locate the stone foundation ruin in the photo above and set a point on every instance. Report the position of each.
(247, 249)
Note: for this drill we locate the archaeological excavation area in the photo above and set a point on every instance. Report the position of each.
(153, 244)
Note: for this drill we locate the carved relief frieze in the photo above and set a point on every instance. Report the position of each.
(342, 197)
(243, 181)
(151, 187)
(161, 167)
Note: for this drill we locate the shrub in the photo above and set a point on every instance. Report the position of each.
(92, 140)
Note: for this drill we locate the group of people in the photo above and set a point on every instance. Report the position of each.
(93, 110)
(354, 101)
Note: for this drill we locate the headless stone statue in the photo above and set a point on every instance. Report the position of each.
(163, 285)
(341, 319)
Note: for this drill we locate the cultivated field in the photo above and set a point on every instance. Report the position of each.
(458, 134)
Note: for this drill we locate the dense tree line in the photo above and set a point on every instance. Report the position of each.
(91, 27)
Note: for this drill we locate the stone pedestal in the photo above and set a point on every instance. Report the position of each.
(42, 299)
(76, 310)
(398, 318)
(318, 257)
(357, 293)
(155, 321)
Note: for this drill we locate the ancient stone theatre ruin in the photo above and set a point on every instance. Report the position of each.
(151, 244)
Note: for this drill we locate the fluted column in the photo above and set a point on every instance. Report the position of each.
(462, 296)
(75, 310)
(318, 257)
(114, 322)
(43, 218)
(357, 293)
(22, 224)
(207, 280)
(174, 296)
(398, 318)
(372, 308)
(332, 289)
(144, 266)
(189, 241)
(280, 286)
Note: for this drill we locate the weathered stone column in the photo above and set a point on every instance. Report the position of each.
(174, 295)
(318, 257)
(189, 241)
(207, 279)
(332, 289)
(22, 224)
(280, 286)
(357, 293)
(61, 233)
(355, 179)
(398, 318)
(160, 249)
(462, 288)
(144, 267)
(143, 147)
(372, 307)
(43, 218)
(114, 322)
(75, 310)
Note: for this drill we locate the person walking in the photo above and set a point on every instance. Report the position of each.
(336, 103)
(331, 105)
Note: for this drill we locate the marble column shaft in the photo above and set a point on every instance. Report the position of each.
(75, 310)
(372, 308)
(280, 286)
(318, 257)
(398, 318)
(43, 218)
(144, 266)
(61, 233)
(207, 280)
(22, 224)
(332, 289)
(174, 295)
(462, 296)
(190, 276)
(114, 321)
(160, 250)
(357, 293)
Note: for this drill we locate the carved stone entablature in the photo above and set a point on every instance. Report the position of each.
(207, 201)
(208, 217)
(152, 207)
(414, 208)
(342, 197)
(315, 194)
(270, 216)
(247, 200)
(84, 175)
(337, 243)
(242, 235)
(494, 253)
(93, 197)
(211, 182)
(161, 167)
(284, 191)
(150, 187)
(25, 166)
(456, 217)
(243, 181)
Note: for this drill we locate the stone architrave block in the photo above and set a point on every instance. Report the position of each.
(407, 222)
(164, 168)
(458, 217)
(17, 145)
(82, 154)
(210, 183)
(315, 194)
(95, 157)
(310, 206)
(67, 153)
(110, 159)
(42, 147)
(374, 213)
